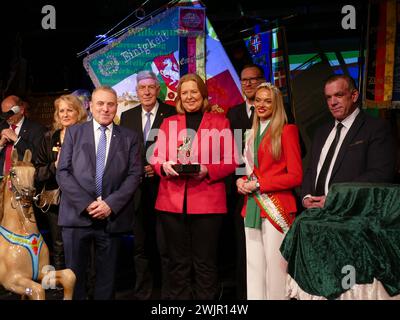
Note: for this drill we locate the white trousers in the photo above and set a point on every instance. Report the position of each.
(266, 268)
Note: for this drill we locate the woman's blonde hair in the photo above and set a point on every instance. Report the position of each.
(277, 121)
(202, 88)
(73, 102)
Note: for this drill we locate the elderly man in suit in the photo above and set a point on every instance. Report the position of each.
(241, 118)
(145, 120)
(99, 169)
(18, 132)
(353, 147)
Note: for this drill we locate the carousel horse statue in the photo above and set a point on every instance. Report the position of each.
(24, 256)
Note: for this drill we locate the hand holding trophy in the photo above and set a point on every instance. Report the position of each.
(183, 167)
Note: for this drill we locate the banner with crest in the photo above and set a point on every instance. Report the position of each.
(175, 42)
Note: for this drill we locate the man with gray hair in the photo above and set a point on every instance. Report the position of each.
(144, 119)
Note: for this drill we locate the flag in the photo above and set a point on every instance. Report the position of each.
(280, 66)
(259, 47)
(171, 43)
(381, 54)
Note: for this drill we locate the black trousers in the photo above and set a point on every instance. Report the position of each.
(77, 247)
(57, 247)
(192, 243)
(150, 246)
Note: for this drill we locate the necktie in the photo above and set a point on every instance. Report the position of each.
(320, 187)
(9, 147)
(147, 126)
(100, 160)
(251, 114)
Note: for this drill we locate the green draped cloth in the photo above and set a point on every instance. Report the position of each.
(253, 214)
(359, 226)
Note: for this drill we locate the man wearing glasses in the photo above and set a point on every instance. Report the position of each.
(144, 119)
(241, 118)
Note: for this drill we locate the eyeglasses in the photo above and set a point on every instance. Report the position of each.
(151, 87)
(250, 80)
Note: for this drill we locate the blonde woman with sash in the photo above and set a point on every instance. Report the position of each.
(273, 169)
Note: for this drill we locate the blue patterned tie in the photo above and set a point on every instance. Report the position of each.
(100, 160)
(147, 126)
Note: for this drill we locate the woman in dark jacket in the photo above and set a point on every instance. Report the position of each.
(68, 111)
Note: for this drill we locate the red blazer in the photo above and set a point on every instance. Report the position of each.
(280, 177)
(207, 195)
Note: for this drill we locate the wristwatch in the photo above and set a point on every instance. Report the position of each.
(257, 185)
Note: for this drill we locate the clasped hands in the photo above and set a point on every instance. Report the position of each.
(99, 209)
(246, 186)
(170, 172)
(7, 135)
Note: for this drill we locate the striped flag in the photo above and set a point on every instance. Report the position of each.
(280, 66)
(381, 54)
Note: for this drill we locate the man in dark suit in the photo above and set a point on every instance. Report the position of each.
(18, 132)
(241, 119)
(353, 147)
(145, 120)
(99, 169)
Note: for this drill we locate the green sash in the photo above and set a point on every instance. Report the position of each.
(253, 216)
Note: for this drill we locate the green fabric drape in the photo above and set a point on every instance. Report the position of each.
(359, 226)
(253, 214)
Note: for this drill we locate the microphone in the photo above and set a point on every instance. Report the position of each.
(10, 113)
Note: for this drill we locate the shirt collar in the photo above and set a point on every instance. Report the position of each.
(347, 122)
(153, 111)
(97, 125)
(19, 123)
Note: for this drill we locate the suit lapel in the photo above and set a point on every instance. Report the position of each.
(358, 122)
(244, 116)
(137, 121)
(90, 142)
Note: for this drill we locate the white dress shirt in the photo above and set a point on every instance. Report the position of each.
(153, 113)
(248, 110)
(347, 123)
(97, 132)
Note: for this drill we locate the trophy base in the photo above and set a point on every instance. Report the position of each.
(186, 168)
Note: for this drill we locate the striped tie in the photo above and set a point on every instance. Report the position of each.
(147, 127)
(100, 160)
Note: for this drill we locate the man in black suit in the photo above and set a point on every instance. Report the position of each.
(353, 147)
(18, 132)
(241, 119)
(98, 172)
(145, 119)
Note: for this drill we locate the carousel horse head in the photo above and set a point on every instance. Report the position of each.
(21, 180)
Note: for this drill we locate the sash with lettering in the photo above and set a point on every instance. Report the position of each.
(259, 204)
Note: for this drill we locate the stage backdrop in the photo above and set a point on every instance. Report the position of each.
(176, 41)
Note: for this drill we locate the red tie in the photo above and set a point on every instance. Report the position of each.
(9, 147)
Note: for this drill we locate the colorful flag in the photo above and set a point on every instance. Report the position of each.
(259, 47)
(170, 44)
(381, 54)
(280, 65)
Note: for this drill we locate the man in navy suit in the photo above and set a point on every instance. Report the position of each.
(149, 242)
(100, 168)
(241, 118)
(353, 147)
(18, 132)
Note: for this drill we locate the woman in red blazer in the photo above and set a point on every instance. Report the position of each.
(191, 206)
(273, 169)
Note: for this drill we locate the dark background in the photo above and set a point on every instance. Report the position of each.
(34, 60)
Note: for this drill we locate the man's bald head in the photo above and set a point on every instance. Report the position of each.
(10, 102)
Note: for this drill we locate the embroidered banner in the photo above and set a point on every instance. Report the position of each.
(170, 44)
